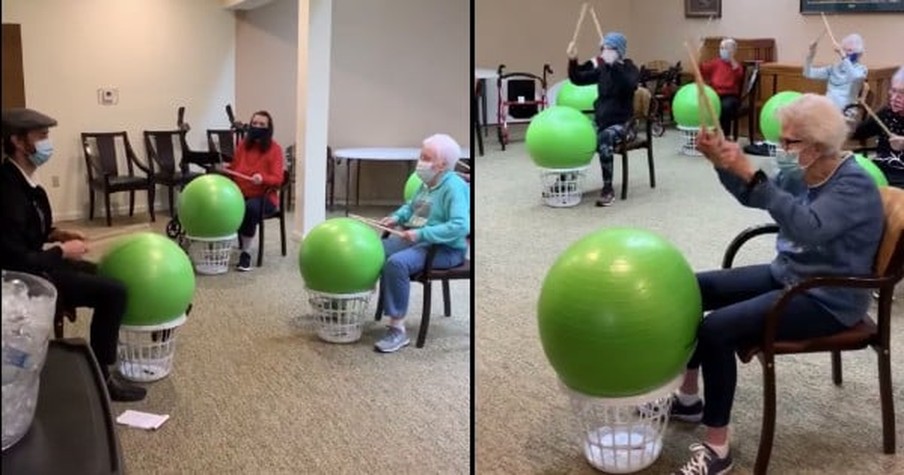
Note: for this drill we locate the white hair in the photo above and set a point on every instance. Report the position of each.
(855, 41)
(899, 76)
(729, 43)
(446, 147)
(817, 120)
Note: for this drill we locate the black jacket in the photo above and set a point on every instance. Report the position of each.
(616, 84)
(25, 224)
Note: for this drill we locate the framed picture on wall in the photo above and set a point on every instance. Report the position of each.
(702, 8)
(810, 7)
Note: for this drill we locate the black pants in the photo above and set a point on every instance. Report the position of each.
(730, 106)
(78, 285)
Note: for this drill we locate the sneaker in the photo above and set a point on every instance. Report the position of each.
(244, 264)
(607, 197)
(704, 461)
(394, 340)
(120, 391)
(689, 413)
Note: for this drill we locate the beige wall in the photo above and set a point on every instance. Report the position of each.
(400, 72)
(266, 57)
(160, 54)
(523, 34)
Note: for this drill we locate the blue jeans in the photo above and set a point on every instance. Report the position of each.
(404, 259)
(255, 210)
(739, 299)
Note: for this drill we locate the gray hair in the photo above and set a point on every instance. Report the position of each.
(855, 41)
(729, 43)
(899, 76)
(818, 121)
(446, 147)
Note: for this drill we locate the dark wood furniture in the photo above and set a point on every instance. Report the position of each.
(101, 160)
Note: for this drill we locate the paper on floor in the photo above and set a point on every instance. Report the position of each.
(142, 420)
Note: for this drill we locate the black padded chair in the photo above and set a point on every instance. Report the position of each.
(101, 160)
(167, 171)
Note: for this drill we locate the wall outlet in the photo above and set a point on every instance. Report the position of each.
(108, 96)
(55, 181)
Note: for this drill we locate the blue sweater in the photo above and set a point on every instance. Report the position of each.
(831, 229)
(442, 214)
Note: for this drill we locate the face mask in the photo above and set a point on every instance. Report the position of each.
(854, 57)
(42, 153)
(609, 56)
(258, 133)
(725, 54)
(425, 172)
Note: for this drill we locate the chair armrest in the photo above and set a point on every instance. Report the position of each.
(732, 250)
(144, 167)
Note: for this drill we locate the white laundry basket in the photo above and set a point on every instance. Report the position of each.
(689, 141)
(339, 318)
(210, 256)
(145, 352)
(562, 188)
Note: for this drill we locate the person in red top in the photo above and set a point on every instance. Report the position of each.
(259, 157)
(726, 76)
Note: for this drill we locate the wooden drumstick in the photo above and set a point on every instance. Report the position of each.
(869, 110)
(577, 28)
(825, 21)
(596, 22)
(703, 99)
(237, 174)
(464, 165)
(377, 225)
(118, 233)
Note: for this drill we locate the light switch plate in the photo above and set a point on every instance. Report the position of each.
(108, 96)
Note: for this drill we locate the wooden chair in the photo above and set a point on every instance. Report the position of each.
(103, 171)
(888, 271)
(222, 141)
(160, 150)
(279, 214)
(747, 101)
(643, 112)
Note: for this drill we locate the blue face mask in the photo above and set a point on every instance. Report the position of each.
(724, 54)
(854, 57)
(42, 153)
(789, 165)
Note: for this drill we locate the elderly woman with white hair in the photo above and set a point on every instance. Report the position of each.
(439, 213)
(726, 76)
(845, 78)
(889, 155)
(830, 219)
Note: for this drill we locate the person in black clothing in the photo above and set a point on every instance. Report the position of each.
(616, 78)
(889, 150)
(26, 226)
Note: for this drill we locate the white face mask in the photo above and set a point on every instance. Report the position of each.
(609, 56)
(725, 54)
(425, 171)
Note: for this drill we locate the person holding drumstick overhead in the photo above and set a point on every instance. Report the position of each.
(844, 78)
(439, 213)
(258, 170)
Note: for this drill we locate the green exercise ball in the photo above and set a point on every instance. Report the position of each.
(561, 137)
(341, 256)
(211, 206)
(413, 184)
(872, 169)
(770, 126)
(618, 313)
(581, 98)
(686, 110)
(157, 274)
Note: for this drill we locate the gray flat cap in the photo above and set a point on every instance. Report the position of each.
(20, 118)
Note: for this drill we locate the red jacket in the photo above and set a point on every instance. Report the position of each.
(722, 77)
(269, 165)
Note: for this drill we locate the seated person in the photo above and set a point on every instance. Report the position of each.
(26, 225)
(616, 79)
(257, 156)
(726, 76)
(439, 213)
(831, 219)
(845, 78)
(889, 155)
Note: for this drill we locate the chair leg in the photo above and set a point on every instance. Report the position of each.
(260, 243)
(171, 192)
(90, 203)
(425, 315)
(836, 368)
(132, 203)
(885, 396)
(624, 175)
(282, 233)
(107, 205)
(650, 165)
(447, 300)
(767, 432)
(379, 313)
(152, 197)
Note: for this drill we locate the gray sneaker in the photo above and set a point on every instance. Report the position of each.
(607, 197)
(394, 340)
(704, 461)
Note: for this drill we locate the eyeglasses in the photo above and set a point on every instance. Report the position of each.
(896, 92)
(785, 142)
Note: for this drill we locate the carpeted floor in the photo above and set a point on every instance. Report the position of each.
(524, 422)
(252, 391)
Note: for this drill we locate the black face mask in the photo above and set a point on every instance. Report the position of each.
(258, 133)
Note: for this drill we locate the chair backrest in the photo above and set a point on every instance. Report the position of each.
(223, 141)
(642, 101)
(101, 151)
(160, 148)
(658, 65)
(749, 49)
(890, 258)
(751, 78)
